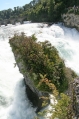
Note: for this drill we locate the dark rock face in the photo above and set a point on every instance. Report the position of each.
(34, 98)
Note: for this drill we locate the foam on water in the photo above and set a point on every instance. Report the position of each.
(14, 103)
(21, 107)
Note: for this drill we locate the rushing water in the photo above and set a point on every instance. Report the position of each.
(14, 104)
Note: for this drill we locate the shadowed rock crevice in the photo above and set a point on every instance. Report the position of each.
(34, 98)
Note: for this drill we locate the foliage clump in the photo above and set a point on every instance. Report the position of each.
(42, 59)
(63, 109)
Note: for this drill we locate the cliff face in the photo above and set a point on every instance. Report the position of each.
(71, 20)
(34, 95)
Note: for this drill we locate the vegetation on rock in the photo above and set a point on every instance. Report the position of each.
(42, 61)
(47, 70)
(63, 109)
(43, 64)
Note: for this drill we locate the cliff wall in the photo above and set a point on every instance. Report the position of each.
(71, 20)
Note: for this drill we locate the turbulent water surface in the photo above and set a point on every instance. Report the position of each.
(14, 104)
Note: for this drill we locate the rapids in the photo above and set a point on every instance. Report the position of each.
(14, 104)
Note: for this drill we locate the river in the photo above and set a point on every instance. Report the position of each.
(14, 103)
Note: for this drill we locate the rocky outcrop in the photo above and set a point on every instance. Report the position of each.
(34, 95)
(71, 20)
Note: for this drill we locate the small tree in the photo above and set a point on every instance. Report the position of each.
(51, 8)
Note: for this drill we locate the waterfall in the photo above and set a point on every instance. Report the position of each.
(14, 103)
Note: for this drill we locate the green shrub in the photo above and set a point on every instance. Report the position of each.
(63, 109)
(41, 58)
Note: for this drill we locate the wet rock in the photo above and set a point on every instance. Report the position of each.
(34, 98)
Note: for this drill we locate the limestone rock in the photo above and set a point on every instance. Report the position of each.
(71, 20)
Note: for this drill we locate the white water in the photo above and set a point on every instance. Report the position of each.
(13, 101)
